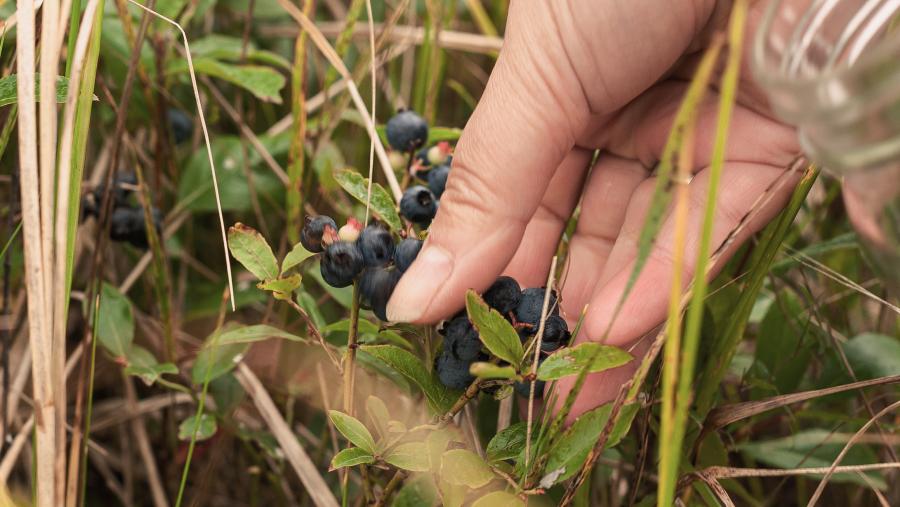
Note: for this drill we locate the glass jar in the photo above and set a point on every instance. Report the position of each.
(832, 69)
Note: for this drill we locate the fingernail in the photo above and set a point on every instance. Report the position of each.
(419, 284)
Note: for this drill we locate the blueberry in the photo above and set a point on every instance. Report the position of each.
(376, 286)
(127, 224)
(453, 372)
(528, 311)
(461, 339)
(407, 131)
(123, 184)
(422, 157)
(503, 295)
(437, 179)
(556, 334)
(181, 124)
(523, 389)
(418, 204)
(406, 253)
(376, 245)
(341, 263)
(315, 230)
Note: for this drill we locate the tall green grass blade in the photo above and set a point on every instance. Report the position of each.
(297, 154)
(79, 139)
(673, 424)
(723, 350)
(89, 408)
(74, 26)
(9, 241)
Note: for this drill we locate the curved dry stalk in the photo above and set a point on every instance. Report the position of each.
(332, 57)
(849, 444)
(212, 163)
(545, 308)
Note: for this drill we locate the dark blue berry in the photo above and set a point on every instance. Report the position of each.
(461, 339)
(376, 245)
(314, 230)
(123, 184)
(422, 157)
(453, 372)
(437, 179)
(127, 225)
(556, 333)
(406, 253)
(528, 311)
(503, 295)
(376, 286)
(523, 389)
(407, 131)
(181, 124)
(418, 204)
(341, 263)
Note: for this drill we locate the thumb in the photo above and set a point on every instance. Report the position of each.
(518, 134)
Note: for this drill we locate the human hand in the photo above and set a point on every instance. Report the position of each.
(573, 77)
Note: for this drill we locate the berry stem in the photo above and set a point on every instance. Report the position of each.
(470, 393)
(390, 487)
(350, 354)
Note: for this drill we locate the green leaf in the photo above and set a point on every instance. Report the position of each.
(205, 426)
(378, 414)
(435, 134)
(223, 47)
(570, 360)
(417, 491)
(465, 468)
(218, 360)
(195, 188)
(364, 327)
(283, 286)
(492, 371)
(572, 448)
(258, 332)
(351, 457)
(508, 443)
(353, 430)
(150, 374)
(263, 82)
(139, 356)
(873, 355)
(496, 333)
(381, 203)
(115, 322)
(783, 344)
(412, 456)
(499, 498)
(439, 397)
(250, 249)
(813, 449)
(227, 392)
(9, 89)
(297, 255)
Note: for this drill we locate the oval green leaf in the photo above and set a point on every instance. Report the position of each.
(250, 249)
(412, 456)
(571, 360)
(381, 202)
(353, 430)
(496, 333)
(351, 457)
(465, 468)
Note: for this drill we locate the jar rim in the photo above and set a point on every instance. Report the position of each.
(778, 80)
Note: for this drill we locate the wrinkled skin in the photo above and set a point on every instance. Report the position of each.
(575, 76)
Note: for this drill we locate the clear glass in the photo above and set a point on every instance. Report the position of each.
(832, 69)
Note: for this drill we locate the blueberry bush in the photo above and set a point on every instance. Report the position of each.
(278, 137)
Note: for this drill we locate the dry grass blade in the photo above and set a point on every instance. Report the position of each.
(734, 473)
(447, 39)
(727, 414)
(35, 268)
(157, 491)
(315, 485)
(212, 163)
(847, 446)
(545, 308)
(332, 57)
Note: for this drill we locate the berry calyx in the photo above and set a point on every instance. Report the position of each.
(318, 232)
(439, 153)
(418, 205)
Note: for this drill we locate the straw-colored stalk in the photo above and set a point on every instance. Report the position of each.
(38, 314)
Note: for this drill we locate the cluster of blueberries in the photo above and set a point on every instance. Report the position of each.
(522, 308)
(127, 222)
(368, 254)
(407, 132)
